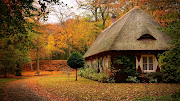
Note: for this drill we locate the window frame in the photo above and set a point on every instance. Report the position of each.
(153, 62)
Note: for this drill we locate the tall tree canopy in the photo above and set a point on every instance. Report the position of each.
(14, 28)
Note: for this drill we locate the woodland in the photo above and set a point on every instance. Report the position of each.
(25, 37)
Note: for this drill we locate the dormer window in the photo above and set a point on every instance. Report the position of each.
(146, 36)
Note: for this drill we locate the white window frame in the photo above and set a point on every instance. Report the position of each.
(154, 63)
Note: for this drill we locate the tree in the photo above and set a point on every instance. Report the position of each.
(63, 14)
(102, 7)
(76, 60)
(8, 60)
(106, 7)
(14, 28)
(91, 5)
(169, 60)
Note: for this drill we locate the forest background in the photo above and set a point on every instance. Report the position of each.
(25, 37)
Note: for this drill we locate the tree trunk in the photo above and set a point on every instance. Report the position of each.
(31, 65)
(95, 14)
(38, 71)
(76, 74)
(104, 22)
(5, 74)
(18, 71)
(68, 43)
(69, 51)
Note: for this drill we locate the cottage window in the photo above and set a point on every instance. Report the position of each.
(146, 36)
(148, 63)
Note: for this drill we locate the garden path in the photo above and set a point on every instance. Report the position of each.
(27, 90)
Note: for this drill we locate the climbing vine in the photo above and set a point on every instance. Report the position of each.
(127, 63)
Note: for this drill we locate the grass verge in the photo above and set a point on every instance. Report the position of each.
(85, 89)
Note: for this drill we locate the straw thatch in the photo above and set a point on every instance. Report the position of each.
(125, 32)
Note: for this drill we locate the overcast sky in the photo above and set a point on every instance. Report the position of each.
(52, 18)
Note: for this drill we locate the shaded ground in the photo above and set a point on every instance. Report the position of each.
(60, 87)
(27, 90)
(18, 91)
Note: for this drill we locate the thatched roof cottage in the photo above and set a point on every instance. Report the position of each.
(136, 33)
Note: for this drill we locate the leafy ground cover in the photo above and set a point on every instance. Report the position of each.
(3, 83)
(173, 97)
(84, 89)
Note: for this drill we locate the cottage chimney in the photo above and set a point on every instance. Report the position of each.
(113, 18)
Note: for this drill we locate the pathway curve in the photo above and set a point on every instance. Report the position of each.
(28, 90)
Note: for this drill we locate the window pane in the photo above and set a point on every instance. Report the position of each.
(150, 59)
(150, 66)
(144, 59)
(144, 66)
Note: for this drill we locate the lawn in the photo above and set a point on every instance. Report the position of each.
(85, 89)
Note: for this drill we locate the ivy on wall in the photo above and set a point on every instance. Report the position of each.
(127, 63)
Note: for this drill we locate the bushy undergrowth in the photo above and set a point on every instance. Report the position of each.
(93, 75)
(132, 79)
(161, 77)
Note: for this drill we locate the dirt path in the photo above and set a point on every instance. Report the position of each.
(28, 90)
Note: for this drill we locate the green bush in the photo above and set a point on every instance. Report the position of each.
(169, 62)
(127, 63)
(155, 77)
(94, 75)
(76, 60)
(132, 79)
(8, 60)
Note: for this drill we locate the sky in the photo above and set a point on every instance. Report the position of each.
(52, 17)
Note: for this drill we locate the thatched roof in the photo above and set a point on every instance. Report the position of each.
(125, 33)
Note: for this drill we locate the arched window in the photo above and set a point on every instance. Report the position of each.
(146, 36)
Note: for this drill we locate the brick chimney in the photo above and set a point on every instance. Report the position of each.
(113, 18)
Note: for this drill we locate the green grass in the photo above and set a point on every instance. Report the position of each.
(85, 89)
(3, 83)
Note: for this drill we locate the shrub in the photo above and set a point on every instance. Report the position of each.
(155, 77)
(8, 60)
(127, 63)
(76, 60)
(151, 80)
(123, 67)
(169, 63)
(132, 79)
(94, 75)
(102, 77)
